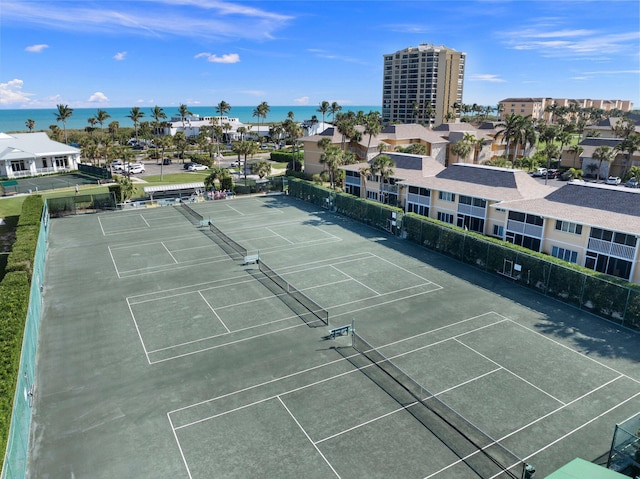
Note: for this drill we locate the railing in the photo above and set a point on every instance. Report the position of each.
(419, 199)
(39, 171)
(472, 210)
(614, 249)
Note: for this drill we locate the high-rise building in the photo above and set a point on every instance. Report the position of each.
(421, 84)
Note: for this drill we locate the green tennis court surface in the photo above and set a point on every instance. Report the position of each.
(43, 183)
(162, 355)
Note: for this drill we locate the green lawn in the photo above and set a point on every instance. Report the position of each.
(12, 205)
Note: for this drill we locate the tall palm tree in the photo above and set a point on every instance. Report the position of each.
(222, 109)
(63, 114)
(461, 149)
(333, 109)
(113, 128)
(372, 127)
(603, 154)
(158, 114)
(332, 158)
(576, 150)
(382, 166)
(261, 112)
(92, 125)
(323, 109)
(631, 144)
(136, 115)
(101, 117)
(507, 130)
(30, 124)
(183, 111)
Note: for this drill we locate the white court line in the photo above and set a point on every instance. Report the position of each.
(144, 348)
(113, 260)
(101, 228)
(173, 267)
(145, 221)
(511, 372)
(229, 343)
(172, 257)
(184, 459)
(214, 312)
(400, 267)
(307, 435)
(192, 289)
(155, 241)
(232, 208)
(271, 231)
(353, 279)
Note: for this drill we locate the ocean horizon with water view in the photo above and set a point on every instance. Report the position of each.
(14, 121)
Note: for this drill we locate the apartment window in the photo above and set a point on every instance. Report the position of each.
(446, 196)
(445, 217)
(564, 254)
(372, 195)
(608, 265)
(471, 223)
(468, 200)
(568, 227)
(418, 209)
(525, 241)
(498, 231)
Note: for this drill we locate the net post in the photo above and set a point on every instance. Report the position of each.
(353, 330)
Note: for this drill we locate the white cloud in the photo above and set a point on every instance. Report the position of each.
(98, 97)
(213, 58)
(36, 48)
(120, 56)
(486, 77)
(11, 93)
(303, 100)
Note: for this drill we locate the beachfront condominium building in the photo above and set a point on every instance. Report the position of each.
(421, 85)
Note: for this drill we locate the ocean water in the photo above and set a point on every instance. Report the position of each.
(14, 120)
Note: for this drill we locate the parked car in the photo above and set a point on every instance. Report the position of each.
(553, 173)
(613, 180)
(166, 161)
(137, 147)
(135, 168)
(632, 183)
(540, 172)
(117, 165)
(197, 167)
(187, 165)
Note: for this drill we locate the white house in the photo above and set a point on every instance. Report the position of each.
(32, 154)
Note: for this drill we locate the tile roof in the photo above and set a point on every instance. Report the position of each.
(29, 145)
(603, 206)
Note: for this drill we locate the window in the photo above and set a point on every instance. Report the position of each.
(525, 241)
(516, 216)
(372, 195)
(445, 217)
(564, 254)
(415, 190)
(567, 227)
(418, 209)
(498, 231)
(621, 238)
(471, 223)
(598, 233)
(606, 264)
(446, 196)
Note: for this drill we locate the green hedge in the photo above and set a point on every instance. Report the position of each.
(14, 303)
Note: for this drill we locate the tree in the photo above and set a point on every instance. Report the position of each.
(382, 166)
(244, 148)
(183, 111)
(222, 109)
(323, 109)
(221, 175)
(181, 143)
(576, 150)
(507, 130)
(333, 109)
(332, 158)
(603, 154)
(261, 111)
(461, 149)
(158, 114)
(113, 128)
(372, 127)
(30, 124)
(101, 117)
(261, 168)
(63, 114)
(551, 151)
(630, 144)
(136, 115)
(92, 125)
(126, 188)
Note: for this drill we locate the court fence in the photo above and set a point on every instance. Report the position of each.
(17, 446)
(585, 289)
(624, 456)
(72, 205)
(479, 451)
(97, 171)
(381, 216)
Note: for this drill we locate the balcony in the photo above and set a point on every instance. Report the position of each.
(612, 249)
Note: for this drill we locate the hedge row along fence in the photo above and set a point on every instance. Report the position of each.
(20, 303)
(604, 296)
(71, 205)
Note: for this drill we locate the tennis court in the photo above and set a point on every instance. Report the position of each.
(164, 353)
(43, 183)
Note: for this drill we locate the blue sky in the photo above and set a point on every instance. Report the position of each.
(198, 52)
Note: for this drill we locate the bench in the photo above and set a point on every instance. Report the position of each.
(339, 331)
(252, 259)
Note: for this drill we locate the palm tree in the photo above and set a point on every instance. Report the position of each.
(461, 149)
(92, 125)
(261, 112)
(222, 109)
(332, 158)
(181, 143)
(261, 168)
(136, 115)
(372, 127)
(603, 154)
(183, 111)
(551, 150)
(323, 109)
(382, 166)
(576, 150)
(295, 131)
(631, 144)
(113, 128)
(63, 114)
(333, 109)
(101, 117)
(508, 130)
(30, 124)
(158, 114)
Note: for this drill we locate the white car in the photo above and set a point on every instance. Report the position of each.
(135, 168)
(117, 165)
(197, 167)
(613, 180)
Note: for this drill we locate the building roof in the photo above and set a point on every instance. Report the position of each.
(408, 131)
(522, 100)
(487, 182)
(407, 167)
(603, 206)
(31, 145)
(462, 126)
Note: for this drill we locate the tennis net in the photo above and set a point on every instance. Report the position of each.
(225, 242)
(190, 213)
(311, 313)
(485, 456)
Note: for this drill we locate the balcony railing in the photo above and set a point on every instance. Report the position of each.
(525, 228)
(419, 199)
(476, 211)
(39, 171)
(612, 249)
